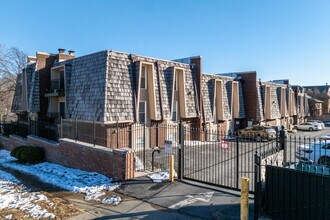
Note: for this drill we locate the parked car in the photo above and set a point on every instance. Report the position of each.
(308, 126)
(326, 123)
(318, 122)
(258, 133)
(319, 153)
(326, 137)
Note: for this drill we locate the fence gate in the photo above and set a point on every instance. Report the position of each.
(148, 143)
(221, 159)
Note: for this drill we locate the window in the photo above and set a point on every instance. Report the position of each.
(142, 112)
(143, 84)
(176, 80)
(175, 111)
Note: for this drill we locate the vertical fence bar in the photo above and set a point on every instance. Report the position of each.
(180, 151)
(94, 132)
(61, 127)
(257, 192)
(237, 160)
(76, 130)
(144, 147)
(117, 125)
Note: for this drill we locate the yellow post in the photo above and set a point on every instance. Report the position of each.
(244, 198)
(171, 163)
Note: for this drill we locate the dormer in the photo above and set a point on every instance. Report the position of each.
(146, 105)
(267, 103)
(179, 89)
(219, 114)
(235, 99)
(283, 103)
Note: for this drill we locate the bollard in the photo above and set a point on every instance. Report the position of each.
(171, 164)
(244, 198)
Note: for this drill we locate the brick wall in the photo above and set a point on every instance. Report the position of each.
(115, 163)
(249, 81)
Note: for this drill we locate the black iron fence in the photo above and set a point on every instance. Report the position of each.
(221, 158)
(48, 131)
(16, 128)
(294, 183)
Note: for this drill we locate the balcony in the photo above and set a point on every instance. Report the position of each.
(53, 114)
(56, 88)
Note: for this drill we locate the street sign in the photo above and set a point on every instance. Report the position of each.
(168, 145)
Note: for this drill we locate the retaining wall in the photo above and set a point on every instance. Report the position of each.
(115, 163)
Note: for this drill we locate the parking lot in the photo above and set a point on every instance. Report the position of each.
(224, 165)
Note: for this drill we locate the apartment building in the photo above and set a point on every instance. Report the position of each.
(108, 89)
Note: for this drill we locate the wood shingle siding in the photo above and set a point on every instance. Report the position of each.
(85, 87)
(17, 99)
(208, 93)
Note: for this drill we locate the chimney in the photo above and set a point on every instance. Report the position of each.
(71, 52)
(60, 50)
(31, 59)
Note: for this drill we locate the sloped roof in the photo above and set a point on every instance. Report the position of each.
(29, 78)
(260, 104)
(33, 89)
(208, 88)
(17, 99)
(103, 86)
(322, 89)
(274, 100)
(85, 86)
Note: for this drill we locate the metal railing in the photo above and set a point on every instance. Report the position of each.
(293, 184)
(221, 159)
(45, 130)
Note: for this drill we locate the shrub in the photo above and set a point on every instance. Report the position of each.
(15, 150)
(28, 154)
(32, 155)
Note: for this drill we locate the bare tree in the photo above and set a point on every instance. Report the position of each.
(12, 61)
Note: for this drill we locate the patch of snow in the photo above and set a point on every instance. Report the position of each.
(94, 196)
(90, 183)
(160, 176)
(13, 196)
(138, 164)
(114, 200)
(201, 197)
(9, 216)
(198, 143)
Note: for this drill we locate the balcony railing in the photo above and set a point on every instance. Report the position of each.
(56, 88)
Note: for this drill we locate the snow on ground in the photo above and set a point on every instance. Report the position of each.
(89, 183)
(14, 196)
(161, 176)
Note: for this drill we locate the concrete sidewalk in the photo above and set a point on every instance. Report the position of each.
(198, 201)
(144, 199)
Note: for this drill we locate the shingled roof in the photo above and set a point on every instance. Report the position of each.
(103, 86)
(208, 89)
(30, 102)
(275, 107)
(17, 99)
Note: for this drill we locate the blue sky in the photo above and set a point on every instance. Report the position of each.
(279, 39)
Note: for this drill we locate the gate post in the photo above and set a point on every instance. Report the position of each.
(181, 151)
(237, 160)
(257, 188)
(283, 145)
